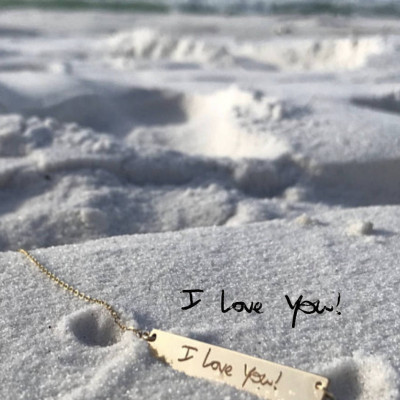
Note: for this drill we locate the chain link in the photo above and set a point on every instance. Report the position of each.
(77, 293)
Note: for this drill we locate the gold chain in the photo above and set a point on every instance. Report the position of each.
(77, 293)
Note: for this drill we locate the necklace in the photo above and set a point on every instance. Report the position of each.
(266, 379)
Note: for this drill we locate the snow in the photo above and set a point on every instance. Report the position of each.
(141, 155)
(143, 45)
(142, 276)
(360, 228)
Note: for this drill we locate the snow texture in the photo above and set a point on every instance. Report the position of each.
(67, 348)
(141, 155)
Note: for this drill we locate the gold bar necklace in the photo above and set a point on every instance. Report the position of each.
(266, 379)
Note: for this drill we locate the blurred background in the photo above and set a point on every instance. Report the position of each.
(121, 117)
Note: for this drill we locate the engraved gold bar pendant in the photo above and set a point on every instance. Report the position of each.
(266, 379)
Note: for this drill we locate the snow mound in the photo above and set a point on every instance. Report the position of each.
(227, 123)
(363, 377)
(329, 54)
(148, 44)
(18, 138)
(75, 184)
(359, 228)
(116, 111)
(92, 326)
(144, 45)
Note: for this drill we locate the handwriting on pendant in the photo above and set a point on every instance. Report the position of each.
(258, 378)
(266, 379)
(251, 375)
(216, 365)
(213, 364)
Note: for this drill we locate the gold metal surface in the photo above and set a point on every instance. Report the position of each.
(263, 378)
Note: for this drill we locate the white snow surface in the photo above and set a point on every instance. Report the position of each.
(58, 345)
(142, 155)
